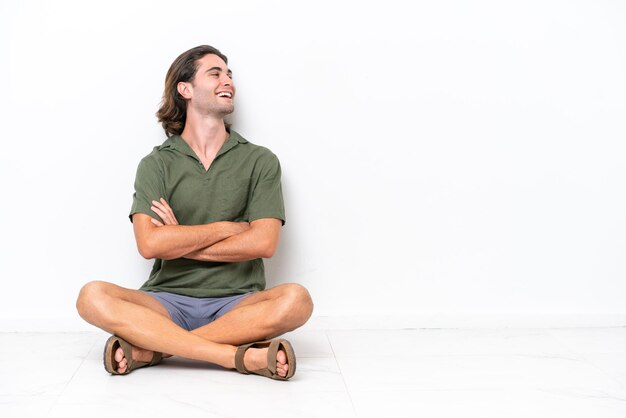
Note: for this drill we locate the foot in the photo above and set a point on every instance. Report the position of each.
(139, 354)
(256, 358)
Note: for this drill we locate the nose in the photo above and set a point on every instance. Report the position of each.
(226, 80)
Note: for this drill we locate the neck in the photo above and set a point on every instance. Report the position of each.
(204, 134)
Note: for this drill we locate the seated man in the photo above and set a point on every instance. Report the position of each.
(205, 297)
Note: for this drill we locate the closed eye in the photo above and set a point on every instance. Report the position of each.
(216, 71)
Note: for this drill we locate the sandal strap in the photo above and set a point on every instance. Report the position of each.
(272, 351)
(128, 354)
(273, 347)
(239, 355)
(156, 358)
(136, 364)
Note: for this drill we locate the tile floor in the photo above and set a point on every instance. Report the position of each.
(482, 373)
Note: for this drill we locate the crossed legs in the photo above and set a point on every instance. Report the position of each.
(142, 321)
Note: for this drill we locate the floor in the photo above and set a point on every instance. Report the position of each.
(500, 373)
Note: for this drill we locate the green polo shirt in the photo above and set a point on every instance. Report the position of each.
(242, 184)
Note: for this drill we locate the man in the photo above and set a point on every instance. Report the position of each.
(207, 207)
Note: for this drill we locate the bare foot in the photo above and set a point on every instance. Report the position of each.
(139, 354)
(256, 358)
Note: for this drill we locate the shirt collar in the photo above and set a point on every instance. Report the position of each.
(233, 140)
(178, 143)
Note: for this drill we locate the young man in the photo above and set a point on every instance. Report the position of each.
(207, 207)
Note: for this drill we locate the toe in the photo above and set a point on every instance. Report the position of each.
(119, 355)
(282, 372)
(121, 366)
(281, 364)
(121, 360)
(281, 358)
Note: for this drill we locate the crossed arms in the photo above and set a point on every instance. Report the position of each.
(218, 241)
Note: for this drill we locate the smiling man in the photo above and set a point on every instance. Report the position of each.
(208, 207)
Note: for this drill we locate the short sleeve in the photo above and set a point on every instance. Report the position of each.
(149, 186)
(267, 196)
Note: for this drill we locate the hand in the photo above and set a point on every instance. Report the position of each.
(166, 213)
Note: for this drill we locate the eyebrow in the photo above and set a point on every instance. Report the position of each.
(229, 72)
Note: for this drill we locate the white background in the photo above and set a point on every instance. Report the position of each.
(451, 158)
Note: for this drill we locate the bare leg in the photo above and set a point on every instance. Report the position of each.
(260, 316)
(133, 316)
(144, 322)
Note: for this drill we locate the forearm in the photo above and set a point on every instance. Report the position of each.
(175, 241)
(260, 241)
(241, 247)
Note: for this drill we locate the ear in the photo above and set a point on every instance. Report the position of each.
(184, 89)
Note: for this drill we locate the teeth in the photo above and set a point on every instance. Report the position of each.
(225, 94)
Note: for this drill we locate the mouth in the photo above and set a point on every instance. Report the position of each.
(226, 94)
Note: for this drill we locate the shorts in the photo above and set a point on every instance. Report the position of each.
(191, 313)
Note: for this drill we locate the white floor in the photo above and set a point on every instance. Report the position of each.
(356, 373)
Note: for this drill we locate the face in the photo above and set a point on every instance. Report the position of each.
(211, 92)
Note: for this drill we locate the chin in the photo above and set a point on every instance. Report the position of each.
(221, 110)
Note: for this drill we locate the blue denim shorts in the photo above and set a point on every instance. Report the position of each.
(191, 313)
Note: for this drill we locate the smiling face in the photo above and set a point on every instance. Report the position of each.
(211, 91)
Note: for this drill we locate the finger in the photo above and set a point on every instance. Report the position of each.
(156, 222)
(158, 212)
(163, 205)
(169, 211)
(167, 218)
(159, 205)
(166, 208)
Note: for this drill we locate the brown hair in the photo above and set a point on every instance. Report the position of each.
(173, 111)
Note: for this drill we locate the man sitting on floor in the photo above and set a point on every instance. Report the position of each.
(207, 207)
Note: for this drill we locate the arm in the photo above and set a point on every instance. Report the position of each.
(155, 240)
(260, 241)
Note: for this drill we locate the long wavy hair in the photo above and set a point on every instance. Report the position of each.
(173, 111)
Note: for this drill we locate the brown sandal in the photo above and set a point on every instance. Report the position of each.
(274, 347)
(111, 346)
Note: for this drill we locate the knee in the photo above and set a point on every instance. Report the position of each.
(297, 305)
(91, 298)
